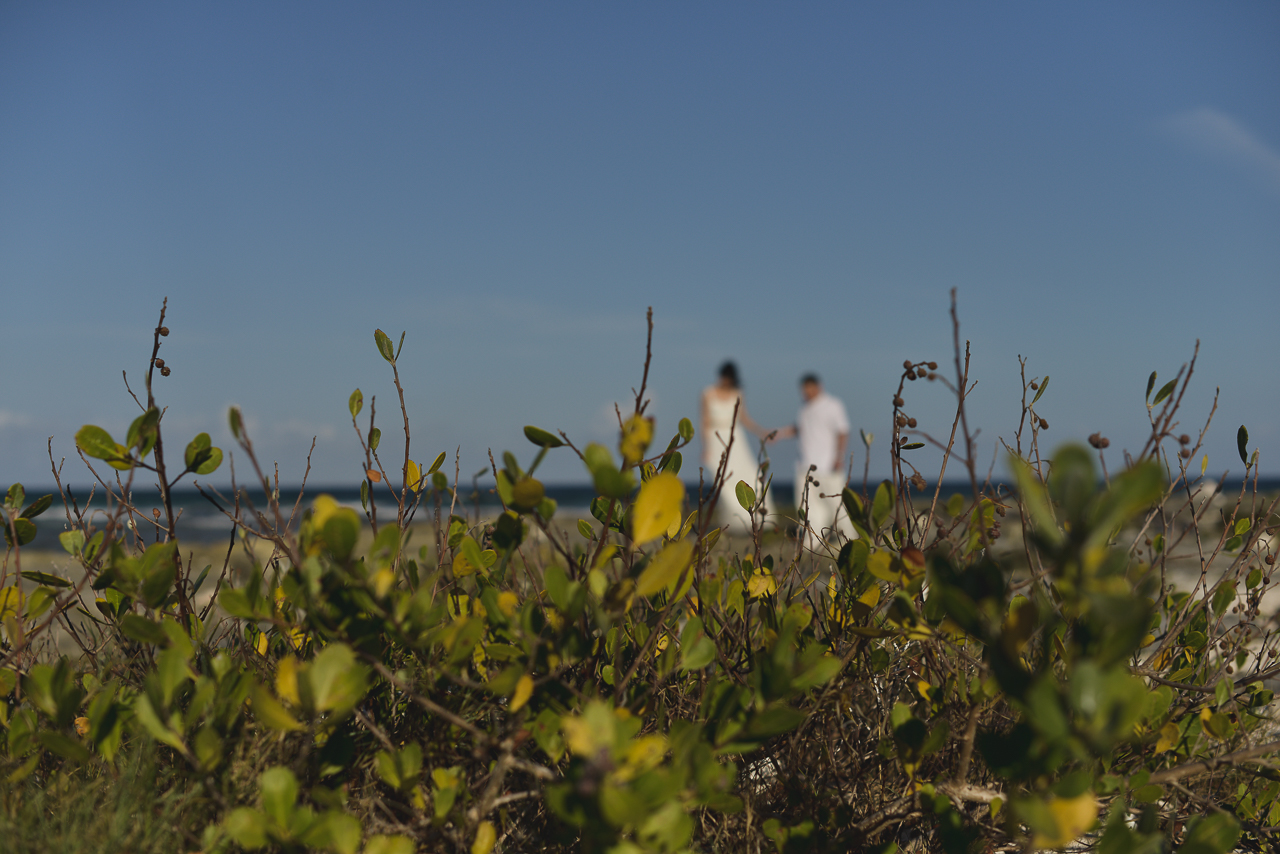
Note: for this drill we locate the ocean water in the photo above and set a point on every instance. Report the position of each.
(201, 521)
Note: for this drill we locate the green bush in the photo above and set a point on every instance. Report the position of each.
(643, 682)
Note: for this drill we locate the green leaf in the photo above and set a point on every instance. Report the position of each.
(375, 437)
(146, 715)
(819, 674)
(236, 422)
(1151, 383)
(698, 655)
(72, 541)
(882, 505)
(1242, 444)
(911, 446)
(385, 347)
(541, 438)
(1222, 599)
(155, 588)
(608, 480)
(37, 507)
(172, 672)
(139, 628)
(1215, 834)
(279, 794)
(1165, 391)
(389, 845)
(685, 429)
(246, 827)
(558, 586)
(355, 403)
(774, 720)
(1044, 384)
(338, 681)
(236, 603)
(201, 457)
(63, 746)
(96, 443)
(435, 466)
(15, 496)
(335, 831)
(24, 528)
(341, 531)
(746, 495)
(143, 432)
(45, 578)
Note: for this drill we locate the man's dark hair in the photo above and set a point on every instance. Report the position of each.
(810, 378)
(729, 371)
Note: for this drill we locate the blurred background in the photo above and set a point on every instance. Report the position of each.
(796, 187)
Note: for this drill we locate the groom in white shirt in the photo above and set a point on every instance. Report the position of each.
(823, 429)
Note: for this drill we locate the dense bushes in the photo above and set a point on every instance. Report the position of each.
(997, 670)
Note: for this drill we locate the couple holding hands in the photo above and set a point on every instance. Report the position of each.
(822, 428)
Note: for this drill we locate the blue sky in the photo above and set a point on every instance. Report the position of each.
(796, 186)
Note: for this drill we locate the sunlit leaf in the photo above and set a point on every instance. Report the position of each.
(657, 508)
(664, 568)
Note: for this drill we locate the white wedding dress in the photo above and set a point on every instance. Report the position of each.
(741, 464)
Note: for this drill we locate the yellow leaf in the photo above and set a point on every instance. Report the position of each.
(287, 680)
(657, 508)
(664, 568)
(382, 581)
(879, 565)
(508, 603)
(637, 433)
(643, 754)
(413, 475)
(606, 555)
(762, 583)
(871, 598)
(486, 838)
(1168, 737)
(261, 645)
(1073, 816)
(82, 726)
(524, 690)
(324, 507)
(270, 711)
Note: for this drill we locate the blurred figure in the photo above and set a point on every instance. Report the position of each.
(823, 429)
(718, 429)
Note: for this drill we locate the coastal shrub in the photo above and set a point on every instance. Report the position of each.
(1000, 669)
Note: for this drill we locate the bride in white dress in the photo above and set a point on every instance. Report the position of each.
(718, 402)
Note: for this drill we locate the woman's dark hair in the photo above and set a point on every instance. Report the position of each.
(729, 371)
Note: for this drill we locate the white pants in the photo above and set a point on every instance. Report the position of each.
(825, 511)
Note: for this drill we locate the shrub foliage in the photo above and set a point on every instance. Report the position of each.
(643, 681)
